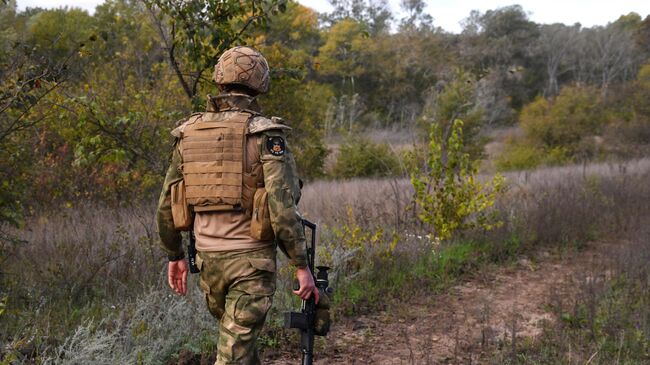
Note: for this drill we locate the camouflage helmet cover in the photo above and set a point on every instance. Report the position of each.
(243, 66)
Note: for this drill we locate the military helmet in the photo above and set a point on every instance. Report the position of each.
(243, 66)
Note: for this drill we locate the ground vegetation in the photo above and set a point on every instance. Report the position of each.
(400, 109)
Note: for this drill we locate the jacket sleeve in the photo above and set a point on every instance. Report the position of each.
(281, 183)
(170, 239)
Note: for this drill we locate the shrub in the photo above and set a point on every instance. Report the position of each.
(519, 156)
(448, 195)
(360, 157)
(563, 122)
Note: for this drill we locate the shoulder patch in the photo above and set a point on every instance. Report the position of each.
(276, 145)
(261, 124)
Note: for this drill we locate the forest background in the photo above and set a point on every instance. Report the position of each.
(88, 103)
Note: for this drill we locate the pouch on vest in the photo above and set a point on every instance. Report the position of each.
(180, 209)
(261, 220)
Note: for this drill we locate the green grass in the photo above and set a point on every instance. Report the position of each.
(607, 322)
(403, 273)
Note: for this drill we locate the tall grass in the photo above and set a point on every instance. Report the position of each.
(554, 208)
(71, 265)
(90, 280)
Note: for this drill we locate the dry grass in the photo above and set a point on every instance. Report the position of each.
(555, 207)
(387, 202)
(80, 263)
(91, 274)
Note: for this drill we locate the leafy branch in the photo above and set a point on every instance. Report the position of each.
(194, 33)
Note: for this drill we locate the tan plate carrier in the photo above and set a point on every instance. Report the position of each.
(212, 148)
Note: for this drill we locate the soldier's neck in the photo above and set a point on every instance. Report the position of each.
(232, 101)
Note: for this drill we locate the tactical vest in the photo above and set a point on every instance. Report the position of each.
(213, 151)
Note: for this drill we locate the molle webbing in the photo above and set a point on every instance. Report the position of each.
(213, 161)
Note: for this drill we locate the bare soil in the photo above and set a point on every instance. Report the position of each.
(466, 323)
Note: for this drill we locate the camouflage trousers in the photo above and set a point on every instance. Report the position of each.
(239, 288)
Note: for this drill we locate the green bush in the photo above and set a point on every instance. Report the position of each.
(519, 156)
(557, 131)
(448, 196)
(561, 125)
(360, 157)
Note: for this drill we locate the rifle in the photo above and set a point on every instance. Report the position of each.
(305, 319)
(191, 253)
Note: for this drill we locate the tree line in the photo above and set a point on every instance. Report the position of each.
(88, 101)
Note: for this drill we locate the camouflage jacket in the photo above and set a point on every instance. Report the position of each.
(280, 180)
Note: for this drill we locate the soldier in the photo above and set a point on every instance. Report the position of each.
(233, 172)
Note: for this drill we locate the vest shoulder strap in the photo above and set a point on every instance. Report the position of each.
(260, 124)
(183, 123)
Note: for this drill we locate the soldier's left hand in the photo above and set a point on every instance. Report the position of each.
(177, 276)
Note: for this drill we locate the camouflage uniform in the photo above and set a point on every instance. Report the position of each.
(239, 284)
(239, 288)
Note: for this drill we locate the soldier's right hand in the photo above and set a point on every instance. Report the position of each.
(177, 276)
(307, 285)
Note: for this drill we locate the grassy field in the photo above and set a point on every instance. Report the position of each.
(88, 282)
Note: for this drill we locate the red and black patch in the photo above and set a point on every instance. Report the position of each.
(276, 146)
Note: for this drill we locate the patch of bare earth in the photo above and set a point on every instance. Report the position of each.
(466, 323)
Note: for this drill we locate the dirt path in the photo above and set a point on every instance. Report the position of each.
(465, 323)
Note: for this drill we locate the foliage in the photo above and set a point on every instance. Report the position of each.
(448, 195)
(457, 100)
(498, 45)
(29, 77)
(519, 156)
(373, 14)
(579, 124)
(194, 33)
(359, 157)
(343, 52)
(302, 104)
(565, 123)
(87, 102)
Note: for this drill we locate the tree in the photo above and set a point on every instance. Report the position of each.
(497, 45)
(297, 27)
(374, 14)
(448, 195)
(455, 100)
(606, 55)
(499, 38)
(642, 36)
(555, 44)
(615, 56)
(27, 81)
(301, 103)
(195, 32)
(416, 17)
(342, 55)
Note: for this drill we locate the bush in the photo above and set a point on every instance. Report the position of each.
(564, 121)
(359, 157)
(448, 196)
(558, 131)
(519, 156)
